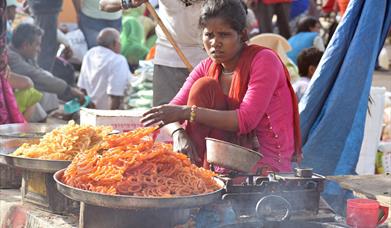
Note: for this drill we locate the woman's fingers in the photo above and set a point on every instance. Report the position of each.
(152, 110)
(149, 120)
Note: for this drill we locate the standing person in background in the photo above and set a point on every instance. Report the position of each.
(180, 17)
(45, 13)
(91, 20)
(9, 111)
(240, 94)
(265, 10)
(104, 72)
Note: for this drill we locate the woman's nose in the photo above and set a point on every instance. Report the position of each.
(215, 42)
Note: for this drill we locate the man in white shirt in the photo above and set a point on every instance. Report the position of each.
(105, 73)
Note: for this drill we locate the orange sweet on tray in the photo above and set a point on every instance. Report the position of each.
(132, 163)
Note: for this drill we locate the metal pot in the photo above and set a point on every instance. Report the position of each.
(230, 155)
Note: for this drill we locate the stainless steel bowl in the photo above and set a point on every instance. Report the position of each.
(231, 156)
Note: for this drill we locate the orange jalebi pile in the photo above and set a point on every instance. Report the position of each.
(132, 163)
(64, 142)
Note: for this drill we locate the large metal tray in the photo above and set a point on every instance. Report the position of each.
(134, 202)
(32, 164)
(14, 135)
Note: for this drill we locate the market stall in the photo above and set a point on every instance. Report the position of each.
(280, 199)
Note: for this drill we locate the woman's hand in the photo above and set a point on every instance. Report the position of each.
(183, 144)
(165, 114)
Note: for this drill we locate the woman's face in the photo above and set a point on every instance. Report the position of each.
(222, 43)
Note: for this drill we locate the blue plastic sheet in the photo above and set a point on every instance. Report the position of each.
(333, 110)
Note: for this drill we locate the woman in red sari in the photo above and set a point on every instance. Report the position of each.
(239, 94)
(9, 111)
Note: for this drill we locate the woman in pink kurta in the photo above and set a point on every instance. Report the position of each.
(239, 92)
(266, 107)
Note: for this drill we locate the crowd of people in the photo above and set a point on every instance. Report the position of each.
(43, 73)
(244, 86)
(251, 63)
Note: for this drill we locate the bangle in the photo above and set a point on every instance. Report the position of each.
(192, 113)
(176, 130)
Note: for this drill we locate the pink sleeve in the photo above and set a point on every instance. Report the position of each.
(198, 72)
(266, 70)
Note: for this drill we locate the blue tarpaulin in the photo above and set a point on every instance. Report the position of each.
(333, 110)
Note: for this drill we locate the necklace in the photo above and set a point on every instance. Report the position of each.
(227, 73)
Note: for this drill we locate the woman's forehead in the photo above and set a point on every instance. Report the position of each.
(217, 23)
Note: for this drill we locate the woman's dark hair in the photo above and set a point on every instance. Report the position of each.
(231, 11)
(308, 57)
(306, 23)
(25, 32)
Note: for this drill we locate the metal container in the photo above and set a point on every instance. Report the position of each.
(135, 202)
(34, 164)
(230, 155)
(11, 137)
(34, 176)
(103, 217)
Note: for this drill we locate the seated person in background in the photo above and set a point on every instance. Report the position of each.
(307, 61)
(307, 36)
(27, 97)
(104, 72)
(22, 54)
